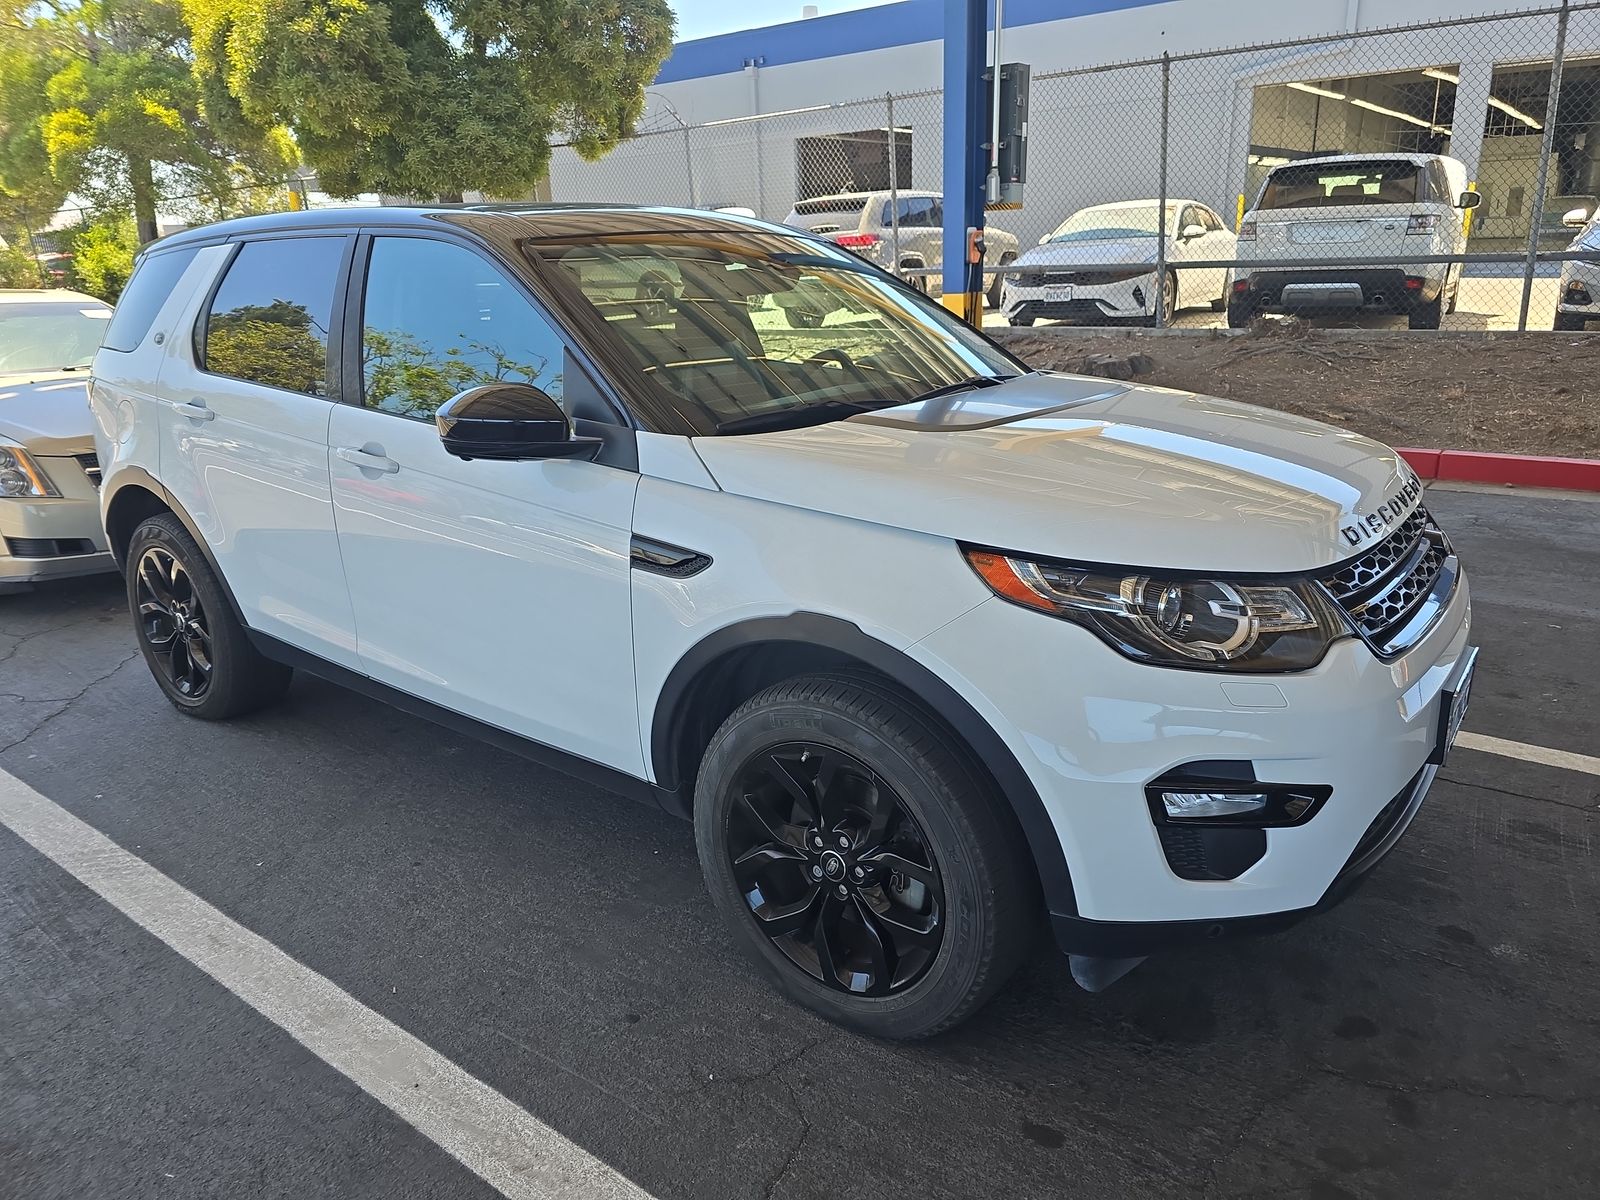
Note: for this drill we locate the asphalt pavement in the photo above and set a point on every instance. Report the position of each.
(1434, 1035)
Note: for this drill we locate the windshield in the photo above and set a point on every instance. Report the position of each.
(751, 331)
(1101, 224)
(1380, 181)
(50, 336)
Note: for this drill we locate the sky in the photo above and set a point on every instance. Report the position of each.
(703, 18)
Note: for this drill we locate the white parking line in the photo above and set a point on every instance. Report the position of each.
(1565, 759)
(518, 1155)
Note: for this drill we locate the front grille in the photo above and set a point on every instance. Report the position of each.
(1384, 588)
(91, 467)
(1080, 278)
(48, 547)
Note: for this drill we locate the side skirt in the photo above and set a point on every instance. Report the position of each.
(546, 756)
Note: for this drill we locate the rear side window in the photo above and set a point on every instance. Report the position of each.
(268, 322)
(152, 282)
(830, 204)
(1324, 185)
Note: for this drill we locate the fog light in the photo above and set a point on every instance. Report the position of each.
(1198, 806)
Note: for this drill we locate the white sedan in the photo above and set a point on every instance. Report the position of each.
(1100, 264)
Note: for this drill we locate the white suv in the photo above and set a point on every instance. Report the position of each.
(1335, 233)
(927, 644)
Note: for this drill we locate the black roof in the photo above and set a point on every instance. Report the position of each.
(521, 220)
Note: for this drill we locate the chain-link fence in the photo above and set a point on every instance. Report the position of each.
(1430, 175)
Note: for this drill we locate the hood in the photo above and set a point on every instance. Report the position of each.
(1081, 469)
(48, 413)
(1093, 250)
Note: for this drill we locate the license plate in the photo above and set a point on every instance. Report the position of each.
(1058, 293)
(1453, 709)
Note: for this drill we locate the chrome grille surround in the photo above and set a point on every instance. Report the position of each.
(1395, 591)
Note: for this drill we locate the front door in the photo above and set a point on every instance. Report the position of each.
(496, 589)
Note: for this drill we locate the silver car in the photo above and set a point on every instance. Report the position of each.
(865, 223)
(49, 508)
(1578, 301)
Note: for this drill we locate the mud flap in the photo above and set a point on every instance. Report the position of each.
(1097, 974)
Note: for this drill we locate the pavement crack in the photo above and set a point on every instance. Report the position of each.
(1270, 1100)
(1456, 1087)
(1484, 787)
(67, 703)
(782, 1173)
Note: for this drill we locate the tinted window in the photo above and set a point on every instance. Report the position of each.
(268, 322)
(1191, 216)
(439, 319)
(152, 282)
(921, 211)
(1375, 181)
(1210, 220)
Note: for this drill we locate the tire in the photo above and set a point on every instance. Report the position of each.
(167, 570)
(1455, 294)
(1019, 322)
(994, 288)
(949, 833)
(1570, 322)
(1169, 299)
(802, 318)
(1240, 315)
(1427, 316)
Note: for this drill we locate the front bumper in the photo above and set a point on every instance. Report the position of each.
(1124, 300)
(1580, 291)
(55, 537)
(1092, 729)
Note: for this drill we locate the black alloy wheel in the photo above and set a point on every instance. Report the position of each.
(835, 870)
(173, 623)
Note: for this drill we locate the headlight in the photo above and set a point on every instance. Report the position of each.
(20, 476)
(1212, 624)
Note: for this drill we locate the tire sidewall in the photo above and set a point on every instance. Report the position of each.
(166, 533)
(956, 969)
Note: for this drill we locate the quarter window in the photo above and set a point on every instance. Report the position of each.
(438, 319)
(268, 322)
(141, 301)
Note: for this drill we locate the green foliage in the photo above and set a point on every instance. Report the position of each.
(99, 98)
(102, 257)
(268, 343)
(17, 268)
(429, 97)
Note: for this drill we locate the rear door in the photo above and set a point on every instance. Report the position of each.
(244, 435)
(496, 589)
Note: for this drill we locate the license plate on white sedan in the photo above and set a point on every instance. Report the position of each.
(1058, 293)
(1453, 703)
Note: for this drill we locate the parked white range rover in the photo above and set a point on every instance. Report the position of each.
(927, 644)
(1355, 232)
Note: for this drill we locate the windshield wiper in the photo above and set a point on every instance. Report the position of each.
(960, 385)
(801, 415)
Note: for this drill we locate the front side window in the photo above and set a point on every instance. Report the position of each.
(1326, 185)
(917, 211)
(49, 336)
(268, 322)
(747, 331)
(437, 320)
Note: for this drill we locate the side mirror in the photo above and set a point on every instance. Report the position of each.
(511, 422)
(1470, 200)
(1576, 218)
(1190, 232)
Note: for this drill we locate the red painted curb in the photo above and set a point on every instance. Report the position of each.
(1521, 470)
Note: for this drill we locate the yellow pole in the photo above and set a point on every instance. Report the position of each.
(1466, 217)
(1238, 219)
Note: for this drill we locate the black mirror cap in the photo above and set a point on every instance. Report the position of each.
(510, 422)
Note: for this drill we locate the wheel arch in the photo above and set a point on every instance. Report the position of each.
(725, 668)
(136, 497)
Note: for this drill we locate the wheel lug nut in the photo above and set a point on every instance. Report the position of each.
(816, 841)
(841, 891)
(816, 871)
(858, 873)
(844, 842)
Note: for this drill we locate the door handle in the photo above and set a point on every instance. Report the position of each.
(192, 408)
(368, 460)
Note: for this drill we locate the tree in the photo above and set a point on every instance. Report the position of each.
(102, 257)
(99, 97)
(430, 97)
